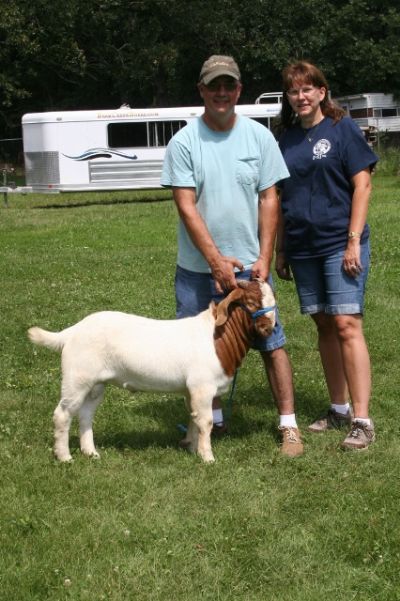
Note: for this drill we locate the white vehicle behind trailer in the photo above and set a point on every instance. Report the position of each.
(121, 149)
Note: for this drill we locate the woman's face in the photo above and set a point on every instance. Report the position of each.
(305, 100)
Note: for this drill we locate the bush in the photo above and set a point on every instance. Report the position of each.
(389, 161)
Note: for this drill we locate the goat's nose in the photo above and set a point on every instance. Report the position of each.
(265, 329)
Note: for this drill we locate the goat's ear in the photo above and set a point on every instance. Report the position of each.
(222, 307)
(243, 283)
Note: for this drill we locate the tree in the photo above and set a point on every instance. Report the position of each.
(69, 54)
(40, 60)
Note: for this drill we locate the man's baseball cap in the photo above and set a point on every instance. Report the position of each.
(218, 65)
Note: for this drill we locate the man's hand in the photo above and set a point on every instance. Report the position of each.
(224, 274)
(260, 269)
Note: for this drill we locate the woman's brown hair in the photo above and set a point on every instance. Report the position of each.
(302, 72)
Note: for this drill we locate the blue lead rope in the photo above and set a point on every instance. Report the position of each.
(229, 402)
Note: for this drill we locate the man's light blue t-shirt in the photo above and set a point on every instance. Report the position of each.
(228, 170)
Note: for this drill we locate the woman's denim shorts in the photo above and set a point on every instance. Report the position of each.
(324, 287)
(194, 292)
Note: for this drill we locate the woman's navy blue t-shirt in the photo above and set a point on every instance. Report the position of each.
(316, 199)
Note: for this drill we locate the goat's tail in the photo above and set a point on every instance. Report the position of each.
(52, 340)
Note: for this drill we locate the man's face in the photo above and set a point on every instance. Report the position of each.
(220, 95)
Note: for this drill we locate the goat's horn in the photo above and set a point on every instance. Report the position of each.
(222, 307)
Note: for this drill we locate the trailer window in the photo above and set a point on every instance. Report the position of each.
(160, 132)
(126, 135)
(142, 134)
(385, 112)
(360, 113)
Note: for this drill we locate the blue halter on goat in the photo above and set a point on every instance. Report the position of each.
(260, 312)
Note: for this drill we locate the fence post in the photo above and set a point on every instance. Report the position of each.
(5, 194)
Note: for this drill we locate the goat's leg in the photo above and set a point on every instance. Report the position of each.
(86, 414)
(72, 398)
(201, 416)
(190, 440)
(62, 419)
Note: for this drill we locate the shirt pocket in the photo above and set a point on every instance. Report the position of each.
(248, 171)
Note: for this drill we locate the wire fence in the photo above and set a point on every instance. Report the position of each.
(11, 152)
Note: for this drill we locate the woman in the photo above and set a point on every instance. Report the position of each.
(323, 240)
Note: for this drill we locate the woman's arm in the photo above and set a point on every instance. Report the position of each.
(359, 208)
(281, 265)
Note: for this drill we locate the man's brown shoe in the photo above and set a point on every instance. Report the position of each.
(292, 445)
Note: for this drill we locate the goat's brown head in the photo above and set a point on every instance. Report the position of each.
(257, 299)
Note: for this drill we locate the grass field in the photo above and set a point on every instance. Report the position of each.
(148, 521)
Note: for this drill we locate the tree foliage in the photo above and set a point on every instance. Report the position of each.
(69, 54)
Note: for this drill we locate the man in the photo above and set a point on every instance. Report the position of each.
(223, 168)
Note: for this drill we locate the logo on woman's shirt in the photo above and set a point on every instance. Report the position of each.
(321, 149)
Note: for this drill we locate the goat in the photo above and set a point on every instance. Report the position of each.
(195, 355)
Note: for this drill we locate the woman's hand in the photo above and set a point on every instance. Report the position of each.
(282, 267)
(352, 258)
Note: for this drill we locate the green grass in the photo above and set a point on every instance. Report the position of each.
(148, 521)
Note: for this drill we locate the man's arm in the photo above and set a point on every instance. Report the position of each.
(267, 225)
(222, 268)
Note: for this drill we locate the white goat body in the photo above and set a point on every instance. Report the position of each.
(142, 354)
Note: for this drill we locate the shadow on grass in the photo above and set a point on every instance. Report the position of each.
(170, 415)
(307, 409)
(138, 439)
(165, 416)
(89, 203)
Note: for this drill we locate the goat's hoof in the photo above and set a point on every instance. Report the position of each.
(64, 458)
(208, 458)
(92, 454)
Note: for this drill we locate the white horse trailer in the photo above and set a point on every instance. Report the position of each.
(377, 111)
(121, 149)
